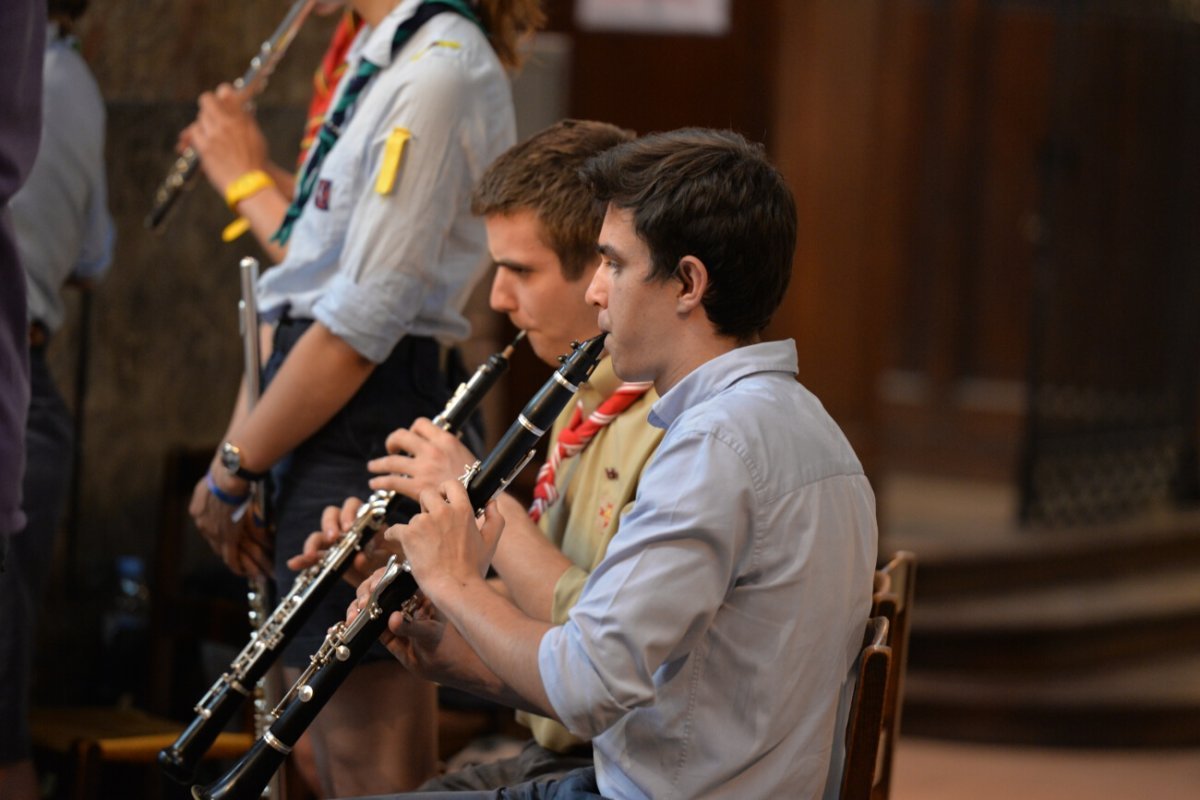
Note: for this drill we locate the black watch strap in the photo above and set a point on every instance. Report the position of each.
(231, 458)
(247, 475)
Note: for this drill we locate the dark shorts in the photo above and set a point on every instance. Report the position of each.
(331, 465)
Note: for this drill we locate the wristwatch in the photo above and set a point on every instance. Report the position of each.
(231, 459)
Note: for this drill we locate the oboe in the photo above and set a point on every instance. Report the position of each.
(396, 590)
(223, 698)
(252, 82)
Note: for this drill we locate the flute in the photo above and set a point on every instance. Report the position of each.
(269, 686)
(253, 81)
(223, 698)
(346, 643)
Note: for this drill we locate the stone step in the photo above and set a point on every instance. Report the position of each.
(1028, 635)
(968, 541)
(1113, 621)
(1034, 558)
(1153, 703)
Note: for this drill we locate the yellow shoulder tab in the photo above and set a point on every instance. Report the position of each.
(393, 151)
(447, 43)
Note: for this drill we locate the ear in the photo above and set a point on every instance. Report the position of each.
(693, 277)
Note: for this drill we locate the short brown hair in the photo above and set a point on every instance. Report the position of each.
(712, 195)
(541, 174)
(507, 22)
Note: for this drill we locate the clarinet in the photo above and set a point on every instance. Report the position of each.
(223, 698)
(253, 81)
(396, 590)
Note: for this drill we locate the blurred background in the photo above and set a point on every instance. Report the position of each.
(995, 294)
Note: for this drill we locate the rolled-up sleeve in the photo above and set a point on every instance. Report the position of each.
(650, 600)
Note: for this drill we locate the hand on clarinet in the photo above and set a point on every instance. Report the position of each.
(445, 545)
(335, 522)
(423, 641)
(408, 634)
(421, 458)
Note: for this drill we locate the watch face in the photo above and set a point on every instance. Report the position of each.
(230, 457)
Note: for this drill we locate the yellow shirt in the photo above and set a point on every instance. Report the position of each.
(596, 488)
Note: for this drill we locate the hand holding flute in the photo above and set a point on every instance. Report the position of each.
(233, 154)
(244, 89)
(228, 140)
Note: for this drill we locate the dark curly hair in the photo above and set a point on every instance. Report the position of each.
(712, 195)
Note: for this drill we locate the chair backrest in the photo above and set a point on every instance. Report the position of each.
(864, 725)
(895, 584)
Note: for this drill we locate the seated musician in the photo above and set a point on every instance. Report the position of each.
(542, 227)
(711, 651)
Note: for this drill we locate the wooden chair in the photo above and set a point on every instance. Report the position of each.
(89, 738)
(865, 723)
(893, 602)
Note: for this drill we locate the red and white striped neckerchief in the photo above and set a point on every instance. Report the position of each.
(575, 437)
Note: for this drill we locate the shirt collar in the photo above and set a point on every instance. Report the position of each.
(717, 375)
(375, 44)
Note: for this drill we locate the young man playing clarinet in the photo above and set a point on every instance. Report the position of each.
(711, 652)
(542, 227)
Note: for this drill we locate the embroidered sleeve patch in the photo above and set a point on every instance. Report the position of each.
(393, 152)
(604, 515)
(321, 194)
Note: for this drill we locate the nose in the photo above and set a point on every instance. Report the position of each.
(597, 291)
(502, 299)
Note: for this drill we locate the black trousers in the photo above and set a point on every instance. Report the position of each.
(577, 785)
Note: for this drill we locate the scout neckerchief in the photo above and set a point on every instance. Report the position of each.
(326, 77)
(575, 437)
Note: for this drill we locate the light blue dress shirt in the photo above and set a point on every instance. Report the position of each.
(712, 652)
(375, 267)
(61, 213)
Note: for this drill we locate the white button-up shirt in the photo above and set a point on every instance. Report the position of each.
(712, 651)
(374, 267)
